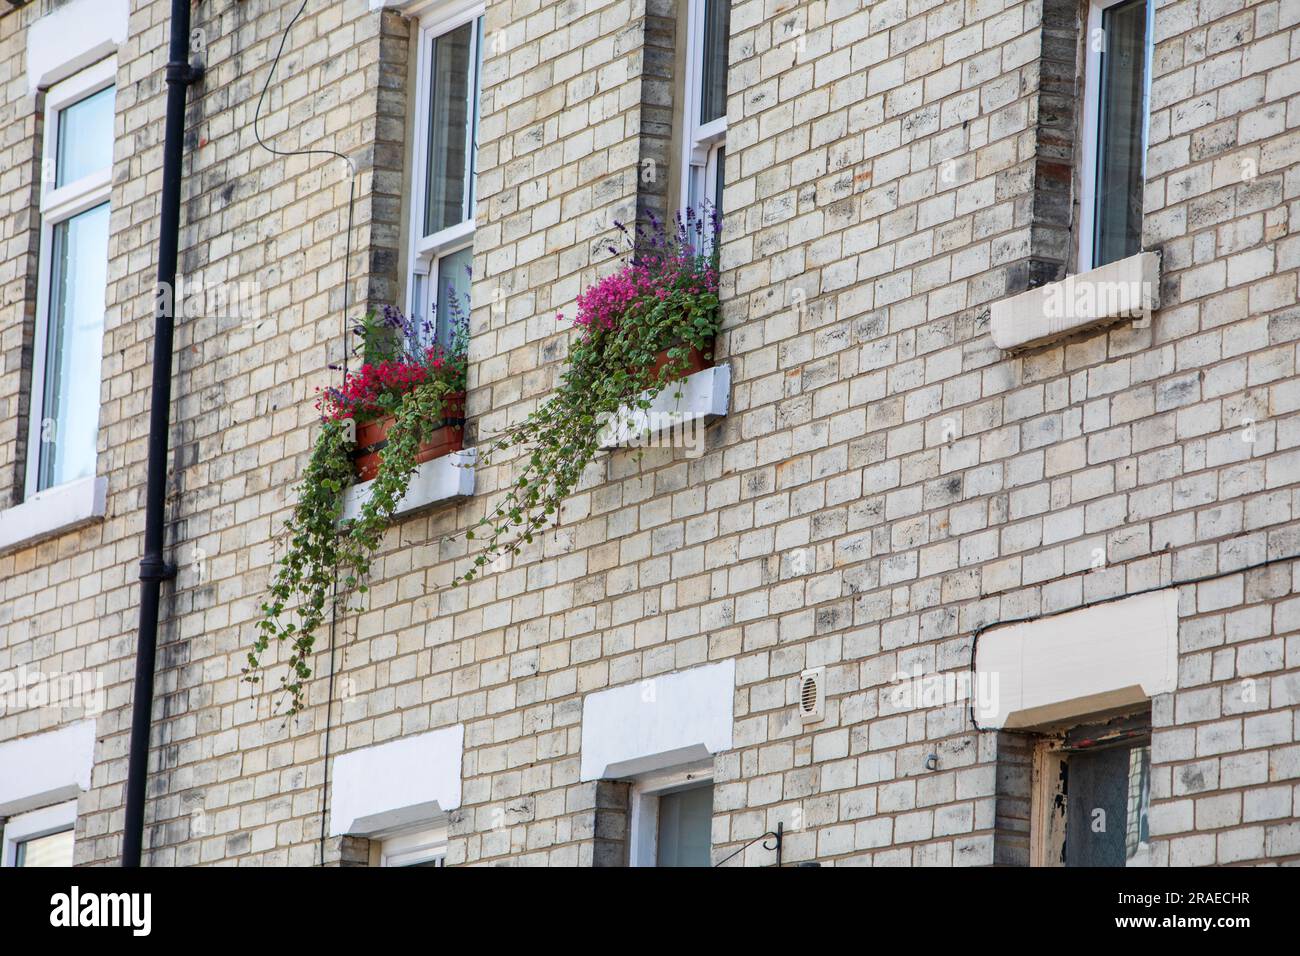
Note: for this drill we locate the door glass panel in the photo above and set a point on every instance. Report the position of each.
(1120, 131)
(1108, 793)
(1139, 800)
(70, 409)
(685, 823)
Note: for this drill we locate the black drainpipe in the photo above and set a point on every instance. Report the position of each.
(154, 569)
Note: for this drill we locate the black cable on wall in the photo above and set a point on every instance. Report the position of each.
(343, 335)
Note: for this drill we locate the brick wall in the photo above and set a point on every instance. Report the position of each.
(887, 481)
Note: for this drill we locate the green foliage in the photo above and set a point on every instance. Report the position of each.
(663, 300)
(609, 370)
(307, 571)
(377, 339)
(328, 561)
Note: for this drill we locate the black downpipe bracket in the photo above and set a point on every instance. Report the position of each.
(154, 569)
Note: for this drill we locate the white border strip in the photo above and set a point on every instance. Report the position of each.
(46, 768)
(73, 37)
(399, 783)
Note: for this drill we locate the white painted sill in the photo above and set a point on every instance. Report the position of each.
(443, 479)
(1124, 289)
(53, 511)
(705, 394)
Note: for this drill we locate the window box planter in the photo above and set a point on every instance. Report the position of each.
(696, 361)
(444, 478)
(373, 436)
(702, 394)
(1124, 289)
(405, 462)
(615, 388)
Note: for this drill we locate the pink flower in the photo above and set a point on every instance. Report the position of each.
(641, 284)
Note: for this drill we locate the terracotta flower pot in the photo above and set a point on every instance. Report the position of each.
(696, 361)
(372, 436)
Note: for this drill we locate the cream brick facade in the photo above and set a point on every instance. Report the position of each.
(886, 483)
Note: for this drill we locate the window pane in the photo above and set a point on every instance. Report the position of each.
(74, 344)
(1119, 149)
(452, 294)
(717, 32)
(453, 118)
(85, 138)
(52, 850)
(423, 308)
(1139, 800)
(685, 823)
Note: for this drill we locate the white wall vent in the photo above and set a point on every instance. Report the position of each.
(812, 694)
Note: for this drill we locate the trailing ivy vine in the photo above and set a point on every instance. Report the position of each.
(327, 559)
(306, 574)
(664, 299)
(641, 327)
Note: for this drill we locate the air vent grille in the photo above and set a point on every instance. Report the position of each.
(812, 694)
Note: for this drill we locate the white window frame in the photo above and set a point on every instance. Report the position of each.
(1092, 120)
(424, 252)
(36, 823)
(702, 142)
(408, 847)
(57, 205)
(643, 829)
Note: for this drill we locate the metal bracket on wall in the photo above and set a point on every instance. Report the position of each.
(777, 837)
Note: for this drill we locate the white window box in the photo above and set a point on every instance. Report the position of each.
(56, 510)
(1126, 288)
(442, 479)
(703, 395)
